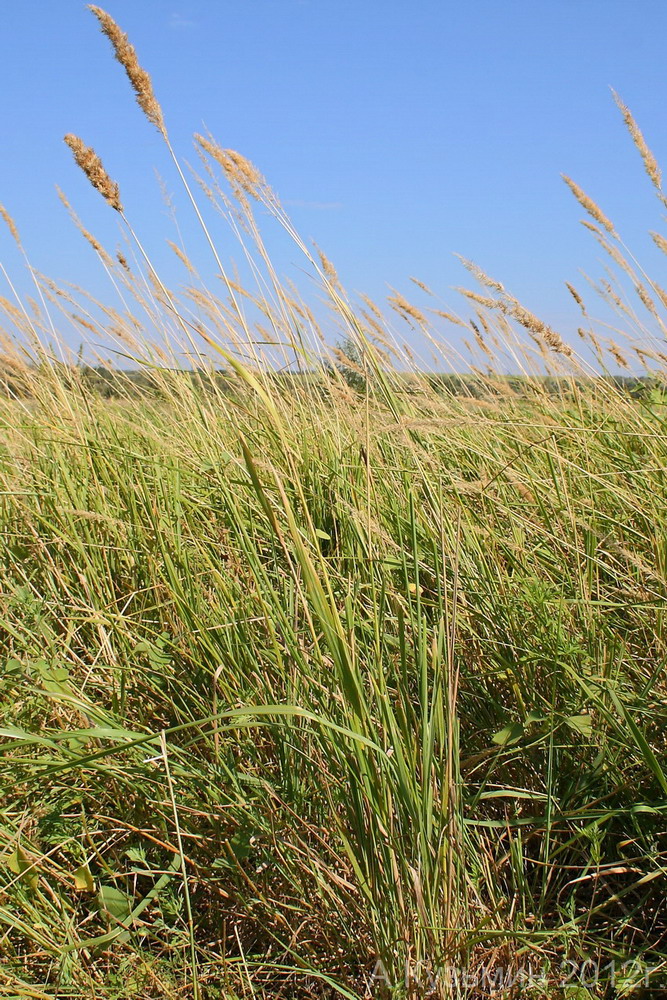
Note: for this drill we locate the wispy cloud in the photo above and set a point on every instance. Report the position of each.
(179, 22)
(316, 206)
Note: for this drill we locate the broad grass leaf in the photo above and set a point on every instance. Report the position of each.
(19, 863)
(115, 903)
(582, 724)
(83, 879)
(509, 734)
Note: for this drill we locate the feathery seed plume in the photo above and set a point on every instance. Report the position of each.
(181, 256)
(576, 296)
(482, 300)
(11, 225)
(405, 308)
(645, 297)
(589, 205)
(422, 285)
(481, 276)
(138, 77)
(530, 322)
(93, 168)
(240, 172)
(650, 162)
(659, 241)
(448, 317)
(619, 358)
(329, 270)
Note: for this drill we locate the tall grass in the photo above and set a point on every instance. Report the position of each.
(317, 683)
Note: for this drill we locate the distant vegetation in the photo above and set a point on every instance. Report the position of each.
(323, 674)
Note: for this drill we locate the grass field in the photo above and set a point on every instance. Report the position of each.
(342, 682)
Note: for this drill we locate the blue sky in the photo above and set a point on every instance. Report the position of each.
(396, 133)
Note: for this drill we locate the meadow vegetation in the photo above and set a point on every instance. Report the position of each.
(316, 665)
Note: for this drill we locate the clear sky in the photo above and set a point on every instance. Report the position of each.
(396, 132)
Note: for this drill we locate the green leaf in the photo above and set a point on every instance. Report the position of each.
(510, 734)
(323, 535)
(115, 903)
(19, 863)
(137, 855)
(83, 879)
(581, 724)
(240, 845)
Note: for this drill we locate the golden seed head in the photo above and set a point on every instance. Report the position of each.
(645, 297)
(589, 205)
(329, 270)
(448, 316)
(619, 358)
(650, 162)
(659, 241)
(138, 77)
(405, 308)
(481, 276)
(93, 168)
(481, 300)
(372, 306)
(181, 256)
(535, 326)
(241, 173)
(11, 225)
(420, 284)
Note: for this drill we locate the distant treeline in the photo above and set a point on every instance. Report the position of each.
(17, 380)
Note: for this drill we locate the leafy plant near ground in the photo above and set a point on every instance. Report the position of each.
(316, 684)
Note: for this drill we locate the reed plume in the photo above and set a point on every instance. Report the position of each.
(11, 225)
(420, 284)
(240, 172)
(659, 241)
(327, 267)
(481, 275)
(650, 162)
(405, 309)
(576, 296)
(535, 326)
(93, 168)
(589, 205)
(138, 77)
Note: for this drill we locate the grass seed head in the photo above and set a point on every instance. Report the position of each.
(576, 296)
(650, 162)
(11, 225)
(404, 308)
(589, 205)
(93, 168)
(138, 77)
(240, 172)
